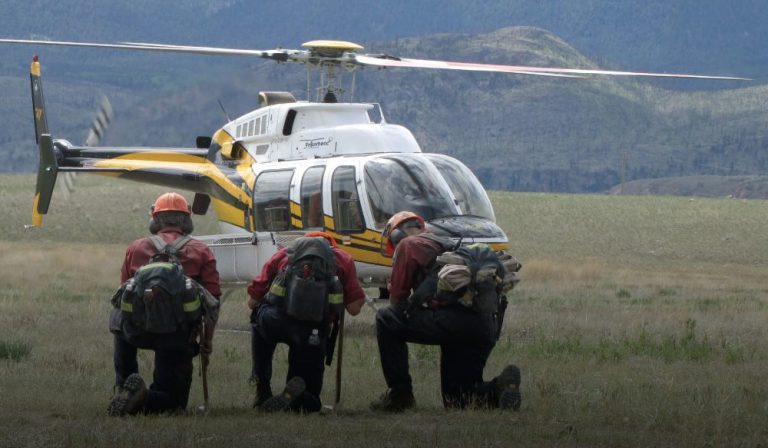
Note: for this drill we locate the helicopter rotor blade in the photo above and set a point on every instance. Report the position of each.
(387, 61)
(346, 56)
(277, 55)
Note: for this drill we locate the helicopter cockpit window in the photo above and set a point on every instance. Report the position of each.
(405, 183)
(469, 193)
(312, 197)
(271, 200)
(347, 215)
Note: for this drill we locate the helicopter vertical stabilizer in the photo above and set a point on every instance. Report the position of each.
(38, 103)
(47, 168)
(46, 179)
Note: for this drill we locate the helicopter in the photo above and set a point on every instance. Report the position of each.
(293, 166)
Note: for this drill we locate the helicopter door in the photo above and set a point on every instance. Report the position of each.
(271, 203)
(312, 198)
(347, 213)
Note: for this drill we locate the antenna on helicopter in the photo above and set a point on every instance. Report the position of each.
(224, 110)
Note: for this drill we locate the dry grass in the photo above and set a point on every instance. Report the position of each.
(618, 346)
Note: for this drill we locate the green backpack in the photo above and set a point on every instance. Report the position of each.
(308, 289)
(160, 299)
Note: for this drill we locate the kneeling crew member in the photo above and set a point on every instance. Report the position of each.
(273, 322)
(465, 337)
(172, 377)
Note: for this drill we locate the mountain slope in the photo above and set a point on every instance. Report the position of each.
(516, 132)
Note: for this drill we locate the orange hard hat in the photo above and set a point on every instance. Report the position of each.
(389, 237)
(328, 237)
(170, 202)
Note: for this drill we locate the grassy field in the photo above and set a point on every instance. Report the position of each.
(640, 321)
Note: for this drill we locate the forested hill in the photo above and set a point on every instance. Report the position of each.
(516, 132)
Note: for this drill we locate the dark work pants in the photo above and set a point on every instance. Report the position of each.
(465, 337)
(273, 326)
(172, 377)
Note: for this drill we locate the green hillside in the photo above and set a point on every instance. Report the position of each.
(516, 132)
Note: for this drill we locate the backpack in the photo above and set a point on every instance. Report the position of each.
(160, 299)
(308, 289)
(471, 276)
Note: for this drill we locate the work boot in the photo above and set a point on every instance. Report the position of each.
(292, 393)
(263, 393)
(508, 388)
(130, 397)
(394, 400)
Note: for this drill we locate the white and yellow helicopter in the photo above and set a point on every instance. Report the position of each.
(291, 166)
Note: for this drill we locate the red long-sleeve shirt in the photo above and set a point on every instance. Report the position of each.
(345, 270)
(412, 256)
(196, 258)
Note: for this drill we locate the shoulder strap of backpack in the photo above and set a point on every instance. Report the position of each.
(446, 243)
(180, 242)
(171, 249)
(158, 242)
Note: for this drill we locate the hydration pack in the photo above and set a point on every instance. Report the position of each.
(308, 289)
(160, 299)
(471, 276)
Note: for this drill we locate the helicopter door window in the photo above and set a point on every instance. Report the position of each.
(263, 125)
(312, 198)
(347, 215)
(271, 200)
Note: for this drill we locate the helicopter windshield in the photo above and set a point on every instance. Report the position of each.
(469, 193)
(406, 183)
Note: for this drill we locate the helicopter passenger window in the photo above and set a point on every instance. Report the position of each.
(263, 125)
(312, 198)
(239, 130)
(271, 200)
(347, 215)
(250, 128)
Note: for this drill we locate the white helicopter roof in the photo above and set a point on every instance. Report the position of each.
(304, 130)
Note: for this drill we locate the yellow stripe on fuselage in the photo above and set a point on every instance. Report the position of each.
(174, 161)
(230, 214)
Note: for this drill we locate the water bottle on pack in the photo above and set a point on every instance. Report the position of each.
(314, 338)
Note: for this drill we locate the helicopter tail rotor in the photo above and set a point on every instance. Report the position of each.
(99, 125)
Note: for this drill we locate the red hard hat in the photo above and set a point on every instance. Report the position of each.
(170, 202)
(328, 237)
(394, 222)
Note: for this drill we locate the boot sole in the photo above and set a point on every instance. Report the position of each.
(509, 393)
(294, 388)
(130, 399)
